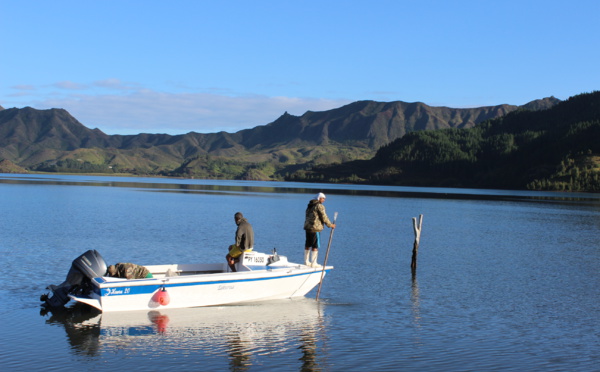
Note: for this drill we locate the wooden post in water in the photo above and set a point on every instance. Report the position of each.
(417, 228)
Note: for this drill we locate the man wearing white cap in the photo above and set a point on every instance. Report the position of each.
(316, 217)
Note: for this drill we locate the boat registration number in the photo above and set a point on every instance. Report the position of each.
(258, 260)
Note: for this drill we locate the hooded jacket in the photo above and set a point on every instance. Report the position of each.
(316, 217)
(127, 270)
(244, 235)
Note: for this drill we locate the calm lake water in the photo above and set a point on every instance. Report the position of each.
(505, 280)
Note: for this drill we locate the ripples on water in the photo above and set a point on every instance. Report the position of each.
(505, 280)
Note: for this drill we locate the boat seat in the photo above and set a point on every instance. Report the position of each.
(239, 265)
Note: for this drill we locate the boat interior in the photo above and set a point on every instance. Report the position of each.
(248, 261)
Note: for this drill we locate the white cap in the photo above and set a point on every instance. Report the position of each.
(319, 196)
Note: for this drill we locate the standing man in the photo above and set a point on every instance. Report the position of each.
(316, 217)
(244, 240)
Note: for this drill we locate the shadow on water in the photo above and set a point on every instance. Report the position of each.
(245, 333)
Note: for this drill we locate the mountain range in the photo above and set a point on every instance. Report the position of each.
(53, 140)
(555, 149)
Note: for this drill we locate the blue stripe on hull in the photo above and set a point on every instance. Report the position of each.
(147, 289)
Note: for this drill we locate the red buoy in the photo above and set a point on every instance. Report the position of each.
(162, 297)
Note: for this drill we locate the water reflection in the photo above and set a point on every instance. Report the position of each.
(83, 335)
(244, 187)
(415, 298)
(243, 333)
(308, 345)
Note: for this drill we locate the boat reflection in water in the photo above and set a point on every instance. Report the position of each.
(293, 328)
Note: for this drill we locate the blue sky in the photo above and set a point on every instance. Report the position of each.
(133, 66)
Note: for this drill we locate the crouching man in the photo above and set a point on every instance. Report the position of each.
(244, 240)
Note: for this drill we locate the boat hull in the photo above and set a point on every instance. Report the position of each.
(195, 290)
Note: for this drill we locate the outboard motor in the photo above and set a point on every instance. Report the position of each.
(84, 268)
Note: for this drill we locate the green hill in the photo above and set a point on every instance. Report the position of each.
(553, 149)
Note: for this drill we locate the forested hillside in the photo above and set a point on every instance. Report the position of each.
(553, 149)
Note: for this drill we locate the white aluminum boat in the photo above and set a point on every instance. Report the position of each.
(259, 277)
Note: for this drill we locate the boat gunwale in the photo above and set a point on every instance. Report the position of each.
(207, 279)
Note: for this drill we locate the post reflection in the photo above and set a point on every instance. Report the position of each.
(244, 334)
(415, 299)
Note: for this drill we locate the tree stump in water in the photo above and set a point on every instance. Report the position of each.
(417, 228)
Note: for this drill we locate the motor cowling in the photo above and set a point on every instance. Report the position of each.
(84, 268)
(91, 264)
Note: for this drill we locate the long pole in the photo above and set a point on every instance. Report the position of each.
(326, 256)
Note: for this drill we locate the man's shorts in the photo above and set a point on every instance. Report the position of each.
(313, 240)
(235, 251)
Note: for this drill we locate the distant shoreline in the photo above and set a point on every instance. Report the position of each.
(422, 192)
